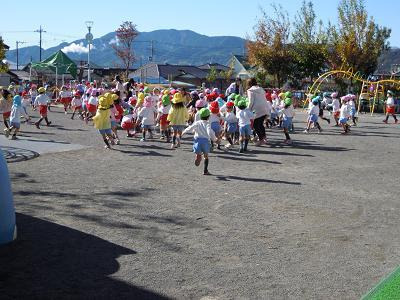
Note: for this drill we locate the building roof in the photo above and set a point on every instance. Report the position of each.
(5, 46)
(167, 71)
(243, 60)
(217, 66)
(177, 70)
(83, 63)
(21, 75)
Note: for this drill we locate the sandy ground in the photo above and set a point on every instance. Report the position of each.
(315, 220)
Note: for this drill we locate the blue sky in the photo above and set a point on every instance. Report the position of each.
(210, 17)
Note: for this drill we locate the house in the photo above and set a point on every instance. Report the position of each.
(98, 72)
(181, 74)
(240, 66)
(5, 77)
(216, 66)
(165, 73)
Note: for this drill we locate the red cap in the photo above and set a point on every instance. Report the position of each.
(24, 93)
(214, 104)
(77, 94)
(230, 104)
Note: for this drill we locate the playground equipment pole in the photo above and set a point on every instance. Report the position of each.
(8, 230)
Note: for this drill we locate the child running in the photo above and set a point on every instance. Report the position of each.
(164, 108)
(231, 124)
(335, 108)
(203, 135)
(244, 116)
(65, 97)
(146, 114)
(128, 122)
(287, 117)
(177, 117)
(215, 121)
(352, 108)
(345, 114)
(42, 101)
(313, 113)
(15, 119)
(390, 107)
(6, 102)
(77, 105)
(102, 120)
(26, 101)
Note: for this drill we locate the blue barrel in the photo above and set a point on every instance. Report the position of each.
(7, 211)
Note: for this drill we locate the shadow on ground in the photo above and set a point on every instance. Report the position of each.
(238, 178)
(50, 261)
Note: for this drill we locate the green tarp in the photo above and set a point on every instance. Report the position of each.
(58, 60)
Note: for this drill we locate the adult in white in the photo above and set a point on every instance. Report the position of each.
(235, 87)
(258, 105)
(119, 86)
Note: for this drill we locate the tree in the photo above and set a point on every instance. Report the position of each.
(212, 75)
(270, 49)
(3, 67)
(309, 44)
(357, 41)
(125, 35)
(227, 75)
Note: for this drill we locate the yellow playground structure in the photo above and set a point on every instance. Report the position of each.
(369, 90)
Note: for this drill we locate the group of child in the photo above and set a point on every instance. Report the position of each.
(210, 115)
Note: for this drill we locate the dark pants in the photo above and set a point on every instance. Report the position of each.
(259, 127)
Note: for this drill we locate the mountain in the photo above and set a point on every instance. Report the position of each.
(169, 46)
(387, 59)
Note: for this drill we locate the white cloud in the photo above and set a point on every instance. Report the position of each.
(76, 48)
(113, 41)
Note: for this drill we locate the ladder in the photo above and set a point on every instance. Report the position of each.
(379, 91)
(364, 93)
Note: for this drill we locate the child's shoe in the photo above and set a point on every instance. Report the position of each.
(6, 132)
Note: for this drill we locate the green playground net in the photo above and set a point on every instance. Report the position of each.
(387, 289)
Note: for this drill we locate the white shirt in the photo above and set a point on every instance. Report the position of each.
(215, 118)
(164, 109)
(244, 116)
(127, 119)
(93, 100)
(257, 101)
(345, 111)
(26, 102)
(120, 87)
(65, 94)
(269, 108)
(288, 112)
(155, 100)
(352, 104)
(201, 129)
(42, 99)
(76, 101)
(314, 110)
(197, 116)
(390, 101)
(230, 117)
(147, 115)
(335, 105)
(16, 113)
(33, 93)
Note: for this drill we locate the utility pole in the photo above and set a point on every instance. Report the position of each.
(17, 43)
(89, 39)
(152, 51)
(40, 30)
